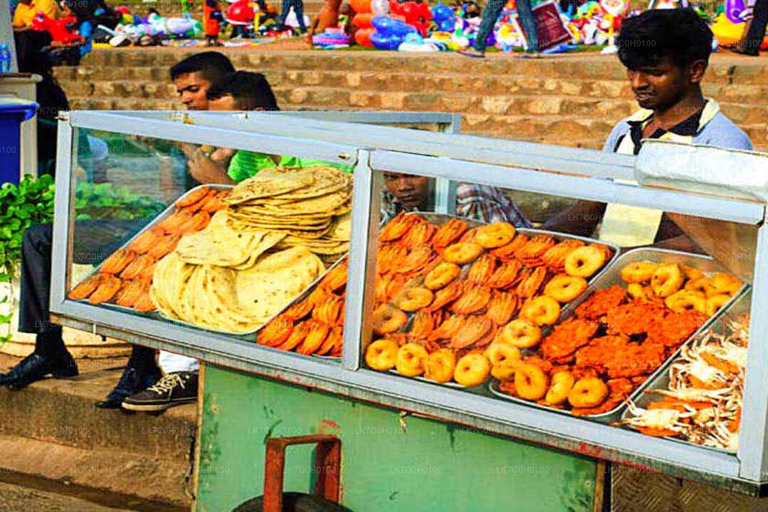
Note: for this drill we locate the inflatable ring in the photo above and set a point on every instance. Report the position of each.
(472, 370)
(584, 261)
(564, 288)
(411, 360)
(440, 276)
(541, 311)
(381, 355)
(521, 333)
(686, 300)
(440, 365)
(638, 272)
(588, 392)
(562, 383)
(387, 319)
(495, 235)
(413, 299)
(531, 382)
(462, 252)
(666, 279)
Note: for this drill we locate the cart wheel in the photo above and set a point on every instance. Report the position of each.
(294, 502)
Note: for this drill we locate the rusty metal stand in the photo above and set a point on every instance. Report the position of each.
(327, 468)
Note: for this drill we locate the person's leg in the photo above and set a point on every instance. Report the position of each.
(298, 8)
(50, 355)
(528, 23)
(178, 386)
(140, 373)
(491, 14)
(286, 8)
(755, 32)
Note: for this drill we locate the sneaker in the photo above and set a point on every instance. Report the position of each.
(132, 381)
(174, 389)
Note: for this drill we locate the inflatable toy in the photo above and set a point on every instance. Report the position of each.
(390, 33)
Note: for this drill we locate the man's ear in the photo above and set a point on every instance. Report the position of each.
(697, 70)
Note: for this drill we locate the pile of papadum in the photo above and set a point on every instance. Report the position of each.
(257, 255)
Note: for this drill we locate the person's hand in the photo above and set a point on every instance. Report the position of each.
(205, 170)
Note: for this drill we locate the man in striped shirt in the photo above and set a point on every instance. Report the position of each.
(405, 192)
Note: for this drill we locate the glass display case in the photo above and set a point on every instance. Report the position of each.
(529, 291)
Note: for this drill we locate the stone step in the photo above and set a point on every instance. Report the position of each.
(81, 81)
(594, 67)
(133, 454)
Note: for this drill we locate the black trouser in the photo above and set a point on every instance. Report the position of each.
(756, 33)
(94, 240)
(298, 8)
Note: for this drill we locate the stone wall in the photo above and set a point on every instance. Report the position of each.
(571, 100)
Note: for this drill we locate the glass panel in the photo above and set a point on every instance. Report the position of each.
(565, 305)
(215, 238)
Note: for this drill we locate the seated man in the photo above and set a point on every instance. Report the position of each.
(408, 193)
(195, 75)
(666, 53)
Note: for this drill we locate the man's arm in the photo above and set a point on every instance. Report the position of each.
(487, 204)
(580, 219)
(211, 168)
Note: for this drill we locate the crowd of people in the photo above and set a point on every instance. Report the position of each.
(666, 78)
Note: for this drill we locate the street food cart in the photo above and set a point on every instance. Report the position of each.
(410, 439)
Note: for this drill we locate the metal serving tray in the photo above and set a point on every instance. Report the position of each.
(737, 307)
(303, 295)
(441, 218)
(612, 277)
(157, 314)
(159, 218)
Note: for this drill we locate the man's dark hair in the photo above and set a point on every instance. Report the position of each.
(214, 66)
(648, 38)
(250, 90)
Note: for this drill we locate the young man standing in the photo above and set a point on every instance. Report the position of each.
(666, 53)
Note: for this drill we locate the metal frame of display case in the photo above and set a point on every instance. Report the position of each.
(565, 172)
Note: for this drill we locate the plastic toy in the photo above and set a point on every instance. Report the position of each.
(390, 33)
(728, 33)
(415, 15)
(444, 18)
(58, 29)
(240, 13)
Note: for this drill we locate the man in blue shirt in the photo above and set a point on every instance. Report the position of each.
(665, 53)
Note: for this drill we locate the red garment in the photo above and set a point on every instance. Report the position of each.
(211, 16)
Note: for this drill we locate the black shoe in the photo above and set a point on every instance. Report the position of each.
(36, 367)
(131, 382)
(174, 389)
(751, 52)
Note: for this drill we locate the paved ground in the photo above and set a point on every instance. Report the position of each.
(14, 498)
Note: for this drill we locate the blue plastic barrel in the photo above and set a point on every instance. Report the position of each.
(12, 113)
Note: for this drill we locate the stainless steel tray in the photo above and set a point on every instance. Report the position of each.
(611, 277)
(303, 295)
(440, 219)
(739, 306)
(159, 218)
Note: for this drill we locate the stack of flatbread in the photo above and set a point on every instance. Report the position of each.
(231, 281)
(309, 205)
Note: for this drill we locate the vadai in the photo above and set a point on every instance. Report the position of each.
(588, 392)
(584, 261)
(564, 288)
(531, 382)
